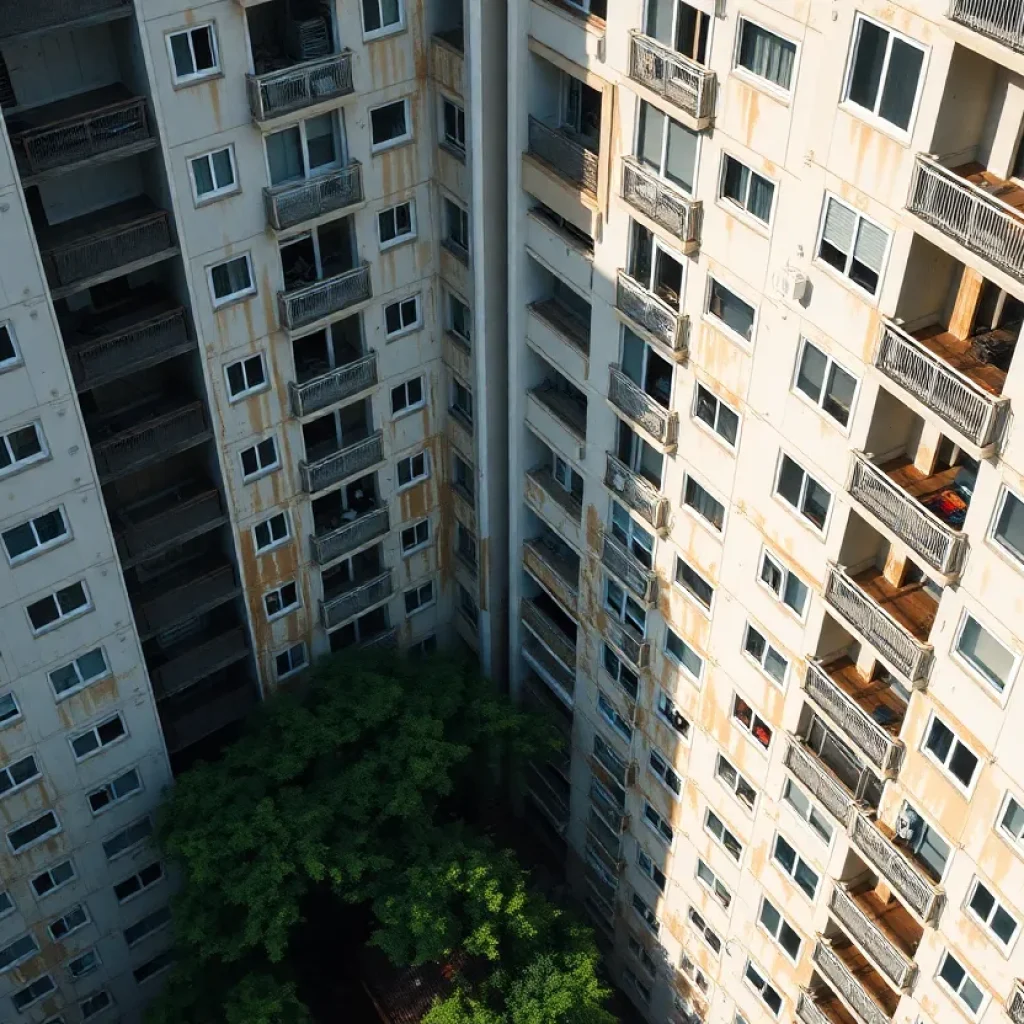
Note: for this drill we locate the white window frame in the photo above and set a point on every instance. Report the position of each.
(22, 1007)
(273, 543)
(784, 93)
(96, 964)
(697, 680)
(19, 464)
(788, 785)
(767, 555)
(227, 300)
(10, 362)
(797, 510)
(143, 886)
(421, 603)
(62, 617)
(695, 920)
(648, 806)
(712, 430)
(733, 207)
(294, 667)
(818, 405)
(310, 172)
(691, 510)
(1005, 493)
(398, 239)
(732, 788)
(100, 745)
(688, 594)
(765, 976)
(261, 470)
(413, 478)
(216, 192)
(1016, 842)
(249, 389)
(748, 731)
(86, 920)
(607, 710)
(10, 908)
(985, 925)
(843, 275)
(41, 546)
(405, 328)
(719, 891)
(10, 719)
(943, 766)
(662, 776)
(710, 812)
(16, 787)
(409, 407)
(417, 545)
(800, 859)
(769, 645)
(649, 869)
(384, 30)
(659, 172)
(56, 830)
(450, 298)
(774, 936)
(953, 994)
(665, 708)
(136, 845)
(646, 915)
(721, 325)
(24, 956)
(56, 885)
(195, 76)
(458, 147)
(1000, 695)
(284, 609)
(398, 140)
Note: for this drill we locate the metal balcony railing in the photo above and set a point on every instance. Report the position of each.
(342, 464)
(182, 601)
(334, 386)
(1001, 20)
(660, 200)
(548, 633)
(682, 81)
(447, 65)
(326, 547)
(302, 85)
(553, 572)
(626, 640)
(182, 518)
(639, 494)
(18, 17)
(305, 306)
(975, 412)
(908, 880)
(150, 439)
(899, 968)
(336, 610)
(967, 214)
(880, 748)
(808, 1012)
(291, 204)
(639, 407)
(847, 985)
(565, 154)
(650, 313)
(907, 654)
(198, 662)
(1015, 1004)
(821, 782)
(940, 546)
(618, 560)
(545, 480)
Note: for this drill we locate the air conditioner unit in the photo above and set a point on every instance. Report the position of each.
(789, 283)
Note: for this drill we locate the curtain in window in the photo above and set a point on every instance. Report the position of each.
(659, 20)
(901, 83)
(650, 136)
(767, 55)
(284, 156)
(760, 202)
(681, 158)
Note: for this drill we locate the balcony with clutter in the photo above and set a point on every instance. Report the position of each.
(353, 586)
(346, 519)
(340, 445)
(331, 366)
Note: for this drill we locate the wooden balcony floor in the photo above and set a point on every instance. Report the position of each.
(1008, 192)
(958, 353)
(892, 919)
(875, 697)
(928, 489)
(868, 978)
(832, 1008)
(910, 605)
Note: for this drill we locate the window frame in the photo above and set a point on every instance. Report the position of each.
(737, 858)
(413, 479)
(669, 770)
(179, 81)
(660, 171)
(955, 995)
(274, 544)
(456, 147)
(769, 646)
(56, 885)
(97, 963)
(294, 668)
(397, 239)
(12, 362)
(697, 680)
(781, 92)
(24, 956)
(616, 722)
(749, 731)
(775, 936)
(16, 787)
(261, 470)
(646, 914)
(767, 555)
(417, 545)
(77, 612)
(408, 407)
(136, 845)
(711, 429)
(684, 734)
(452, 299)
(417, 592)
(790, 784)
(17, 465)
(650, 870)
(713, 886)
(765, 976)
(696, 921)
(22, 823)
(943, 766)
(648, 806)
(688, 593)
(17, 716)
(1002, 696)
(22, 1007)
(398, 140)
(732, 206)
(384, 30)
(699, 516)
(719, 324)
(1005, 492)
(817, 405)
(42, 546)
(92, 997)
(86, 920)
(232, 297)
(215, 193)
(143, 886)
(250, 389)
(284, 609)
(799, 859)
(405, 328)
(1005, 948)
(733, 788)
(843, 276)
(797, 510)
(94, 728)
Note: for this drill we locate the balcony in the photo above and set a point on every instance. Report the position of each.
(18, 18)
(182, 728)
(640, 408)
(942, 373)
(180, 595)
(885, 932)
(565, 322)
(650, 315)
(334, 386)
(896, 621)
(545, 792)
(1003, 21)
(683, 82)
(668, 206)
(304, 306)
(627, 641)
(302, 85)
(859, 986)
(566, 408)
(822, 1007)
(899, 496)
(621, 563)
(1015, 1004)
(820, 780)
(291, 204)
(325, 547)
(544, 481)
(199, 661)
(448, 62)
(554, 572)
(87, 250)
(565, 154)
(165, 520)
(84, 130)
(387, 638)
(636, 491)
(342, 464)
(866, 711)
(338, 608)
(128, 440)
(101, 350)
(874, 842)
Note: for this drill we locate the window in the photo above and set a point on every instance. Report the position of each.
(755, 978)
(402, 316)
(460, 319)
(231, 280)
(656, 269)
(695, 974)
(768, 659)
(800, 490)
(246, 377)
(193, 54)
(424, 647)
(852, 244)
(711, 410)
(83, 964)
(672, 715)
(87, 743)
(750, 191)
(418, 598)
(786, 857)
(625, 677)
(17, 774)
(58, 607)
(260, 459)
(710, 509)
(743, 714)
(9, 710)
(701, 927)
(291, 660)
(667, 147)
(53, 878)
(32, 993)
(713, 884)
(766, 55)
(144, 879)
(653, 820)
(453, 125)
(381, 15)
(35, 536)
(649, 868)
(928, 847)
(17, 951)
(304, 150)
(128, 838)
(637, 985)
(736, 315)
(735, 783)
(780, 930)
(467, 605)
(694, 584)
(715, 827)
(6, 904)
(416, 536)
(660, 767)
(271, 532)
(413, 469)
(462, 400)
(67, 924)
(986, 655)
(389, 125)
(613, 718)
(9, 355)
(645, 914)
(94, 1004)
(785, 585)
(151, 968)
(884, 74)
(825, 382)
(953, 974)
(623, 607)
(463, 478)
(996, 919)
(20, 448)
(213, 174)
(632, 536)
(456, 228)
(683, 655)
(114, 792)
(407, 396)
(396, 224)
(642, 956)
(151, 923)
(282, 600)
(952, 755)
(806, 809)
(1008, 527)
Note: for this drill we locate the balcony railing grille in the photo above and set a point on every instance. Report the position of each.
(808, 1012)
(334, 386)
(336, 610)
(569, 157)
(643, 410)
(136, 539)
(328, 546)
(866, 933)
(819, 781)
(198, 662)
(305, 306)
(665, 204)
(342, 464)
(182, 601)
(315, 81)
(650, 313)
(621, 563)
(635, 648)
(639, 494)
(149, 440)
(548, 633)
(682, 81)
(975, 412)
(18, 17)
(291, 204)
(387, 638)
(1001, 20)
(574, 328)
(1015, 1006)
(838, 975)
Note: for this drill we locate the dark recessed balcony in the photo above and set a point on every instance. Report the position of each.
(180, 595)
(18, 18)
(297, 202)
(198, 657)
(337, 385)
(356, 597)
(342, 463)
(330, 544)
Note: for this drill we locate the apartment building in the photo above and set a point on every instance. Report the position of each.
(247, 319)
(766, 282)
